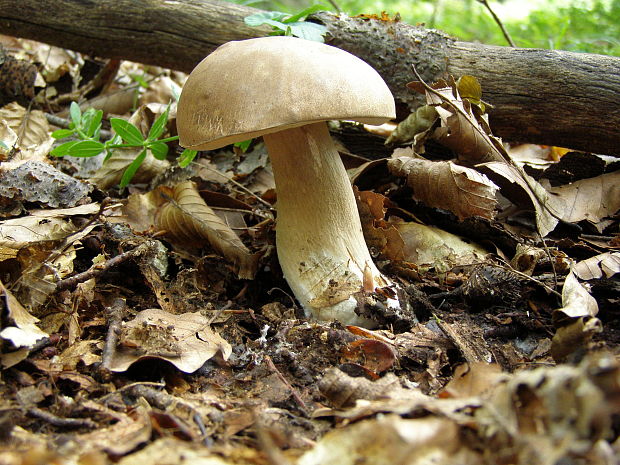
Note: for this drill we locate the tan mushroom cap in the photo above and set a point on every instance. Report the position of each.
(248, 88)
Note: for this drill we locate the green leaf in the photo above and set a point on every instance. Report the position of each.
(78, 148)
(304, 13)
(62, 133)
(140, 80)
(93, 122)
(263, 17)
(186, 157)
(159, 150)
(159, 125)
(243, 145)
(76, 114)
(309, 31)
(131, 169)
(128, 132)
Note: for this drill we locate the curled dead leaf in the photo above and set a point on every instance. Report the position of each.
(187, 217)
(594, 267)
(525, 191)
(430, 246)
(463, 191)
(575, 320)
(186, 340)
(590, 199)
(24, 332)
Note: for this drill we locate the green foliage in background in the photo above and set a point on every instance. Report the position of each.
(284, 24)
(577, 25)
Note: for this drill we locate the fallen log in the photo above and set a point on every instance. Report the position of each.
(542, 96)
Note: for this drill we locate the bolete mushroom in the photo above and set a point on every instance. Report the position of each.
(285, 89)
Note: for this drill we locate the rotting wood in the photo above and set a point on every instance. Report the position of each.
(542, 96)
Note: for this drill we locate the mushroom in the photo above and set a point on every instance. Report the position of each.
(285, 89)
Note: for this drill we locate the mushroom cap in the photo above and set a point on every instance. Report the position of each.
(248, 88)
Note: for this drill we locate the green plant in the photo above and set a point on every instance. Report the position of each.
(85, 128)
(290, 25)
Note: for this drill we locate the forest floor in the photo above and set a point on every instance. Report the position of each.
(129, 337)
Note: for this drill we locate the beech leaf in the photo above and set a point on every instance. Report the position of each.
(187, 217)
(185, 340)
(463, 191)
(594, 267)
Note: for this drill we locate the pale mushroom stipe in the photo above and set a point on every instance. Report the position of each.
(285, 89)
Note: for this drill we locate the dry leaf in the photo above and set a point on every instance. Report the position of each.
(463, 191)
(594, 267)
(389, 439)
(590, 199)
(18, 233)
(417, 122)
(576, 300)
(186, 340)
(8, 137)
(381, 237)
(524, 191)
(40, 226)
(473, 379)
(576, 319)
(430, 246)
(187, 217)
(32, 127)
(461, 130)
(25, 332)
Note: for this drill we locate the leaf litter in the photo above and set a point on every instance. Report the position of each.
(129, 337)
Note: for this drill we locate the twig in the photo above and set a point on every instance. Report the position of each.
(498, 22)
(296, 396)
(59, 421)
(115, 320)
(99, 269)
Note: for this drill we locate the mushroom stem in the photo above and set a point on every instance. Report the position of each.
(319, 237)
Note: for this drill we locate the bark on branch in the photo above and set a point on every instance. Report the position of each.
(548, 97)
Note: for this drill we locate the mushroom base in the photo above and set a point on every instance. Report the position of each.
(321, 247)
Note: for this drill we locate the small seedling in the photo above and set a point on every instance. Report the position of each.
(295, 25)
(86, 128)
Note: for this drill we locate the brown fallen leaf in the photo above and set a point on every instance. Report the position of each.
(575, 321)
(417, 122)
(594, 267)
(525, 191)
(390, 439)
(187, 217)
(590, 199)
(463, 129)
(463, 191)
(473, 379)
(467, 132)
(185, 340)
(381, 236)
(430, 246)
(24, 331)
(31, 127)
(372, 354)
